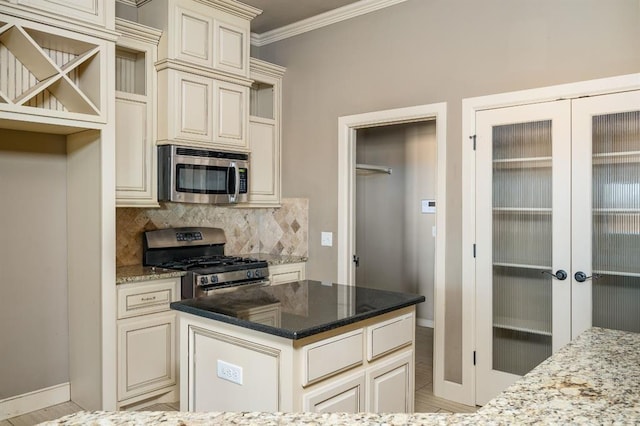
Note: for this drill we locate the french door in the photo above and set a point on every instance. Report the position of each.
(558, 229)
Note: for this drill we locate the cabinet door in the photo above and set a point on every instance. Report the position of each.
(194, 33)
(146, 354)
(391, 386)
(264, 178)
(230, 51)
(135, 153)
(345, 395)
(523, 205)
(231, 114)
(606, 212)
(193, 114)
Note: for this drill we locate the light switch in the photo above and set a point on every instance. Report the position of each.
(326, 239)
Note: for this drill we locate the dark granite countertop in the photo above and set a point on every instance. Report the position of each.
(305, 307)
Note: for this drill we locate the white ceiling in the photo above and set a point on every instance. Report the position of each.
(278, 13)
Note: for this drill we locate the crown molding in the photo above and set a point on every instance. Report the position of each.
(322, 20)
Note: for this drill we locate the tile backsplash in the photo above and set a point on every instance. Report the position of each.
(281, 230)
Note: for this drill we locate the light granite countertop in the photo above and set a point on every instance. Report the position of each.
(134, 273)
(593, 380)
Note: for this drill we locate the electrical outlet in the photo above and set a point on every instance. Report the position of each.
(230, 372)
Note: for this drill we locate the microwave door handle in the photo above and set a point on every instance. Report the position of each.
(236, 190)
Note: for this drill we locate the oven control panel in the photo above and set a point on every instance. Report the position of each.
(232, 276)
(189, 236)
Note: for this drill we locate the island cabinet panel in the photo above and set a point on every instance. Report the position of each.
(330, 356)
(390, 335)
(391, 385)
(231, 373)
(345, 395)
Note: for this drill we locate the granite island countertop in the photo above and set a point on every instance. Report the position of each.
(304, 308)
(593, 380)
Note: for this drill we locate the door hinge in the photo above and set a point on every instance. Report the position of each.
(474, 250)
(474, 357)
(474, 141)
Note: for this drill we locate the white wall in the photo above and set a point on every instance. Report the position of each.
(426, 51)
(33, 262)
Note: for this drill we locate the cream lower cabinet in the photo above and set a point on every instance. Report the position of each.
(147, 357)
(287, 272)
(349, 369)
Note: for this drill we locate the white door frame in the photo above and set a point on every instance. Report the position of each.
(469, 108)
(347, 127)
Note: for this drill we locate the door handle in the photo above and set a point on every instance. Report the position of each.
(560, 274)
(356, 260)
(582, 277)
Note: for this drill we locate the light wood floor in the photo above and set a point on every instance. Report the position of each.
(425, 401)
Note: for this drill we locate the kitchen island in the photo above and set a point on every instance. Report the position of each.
(298, 346)
(595, 379)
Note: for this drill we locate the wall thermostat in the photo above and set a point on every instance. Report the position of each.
(428, 206)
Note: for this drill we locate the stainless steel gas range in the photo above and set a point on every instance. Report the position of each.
(200, 252)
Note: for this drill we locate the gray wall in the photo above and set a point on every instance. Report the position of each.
(394, 239)
(33, 262)
(426, 51)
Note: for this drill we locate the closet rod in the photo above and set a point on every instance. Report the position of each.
(372, 168)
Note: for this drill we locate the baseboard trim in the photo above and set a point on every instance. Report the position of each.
(424, 322)
(36, 400)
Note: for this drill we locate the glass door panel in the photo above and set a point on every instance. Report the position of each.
(606, 212)
(522, 238)
(522, 245)
(616, 220)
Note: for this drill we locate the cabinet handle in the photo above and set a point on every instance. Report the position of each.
(560, 274)
(582, 277)
(148, 299)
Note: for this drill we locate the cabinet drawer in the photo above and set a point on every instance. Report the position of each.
(389, 335)
(331, 356)
(280, 274)
(146, 297)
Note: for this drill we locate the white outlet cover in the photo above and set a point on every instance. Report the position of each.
(230, 372)
(326, 239)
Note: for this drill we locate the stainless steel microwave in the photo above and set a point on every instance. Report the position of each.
(196, 175)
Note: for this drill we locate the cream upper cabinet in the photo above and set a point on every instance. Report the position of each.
(51, 77)
(91, 12)
(264, 134)
(185, 107)
(213, 34)
(230, 125)
(136, 158)
(203, 71)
